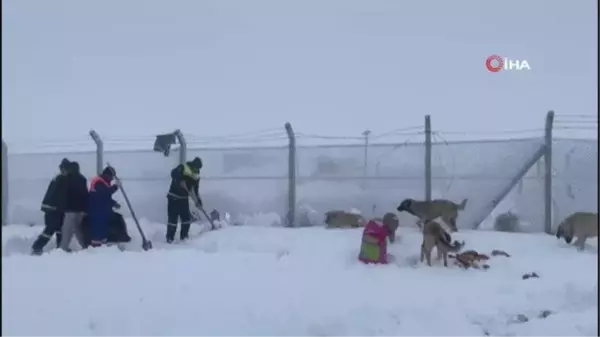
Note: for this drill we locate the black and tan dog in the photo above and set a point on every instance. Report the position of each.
(429, 210)
(434, 235)
(582, 225)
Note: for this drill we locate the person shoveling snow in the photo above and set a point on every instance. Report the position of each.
(116, 232)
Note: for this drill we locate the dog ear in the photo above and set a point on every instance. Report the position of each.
(404, 205)
(559, 233)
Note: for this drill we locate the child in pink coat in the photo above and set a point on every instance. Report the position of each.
(374, 239)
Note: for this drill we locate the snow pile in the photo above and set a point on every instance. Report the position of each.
(308, 216)
(258, 219)
(262, 280)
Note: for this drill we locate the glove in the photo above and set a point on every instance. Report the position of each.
(199, 203)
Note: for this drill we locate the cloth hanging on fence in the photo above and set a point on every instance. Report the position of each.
(163, 143)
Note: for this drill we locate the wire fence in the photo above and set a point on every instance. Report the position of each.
(300, 176)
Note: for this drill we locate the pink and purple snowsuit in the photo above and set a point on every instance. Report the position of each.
(374, 245)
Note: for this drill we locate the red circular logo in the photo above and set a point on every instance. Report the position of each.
(494, 63)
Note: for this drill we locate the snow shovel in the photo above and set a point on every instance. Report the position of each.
(146, 244)
(197, 203)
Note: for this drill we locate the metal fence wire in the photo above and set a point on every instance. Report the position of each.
(546, 177)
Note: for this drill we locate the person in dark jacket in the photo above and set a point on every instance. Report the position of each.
(75, 206)
(53, 206)
(100, 204)
(185, 179)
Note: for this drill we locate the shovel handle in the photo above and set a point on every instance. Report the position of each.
(137, 223)
(197, 202)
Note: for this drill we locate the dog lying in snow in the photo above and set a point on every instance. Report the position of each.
(471, 259)
(343, 219)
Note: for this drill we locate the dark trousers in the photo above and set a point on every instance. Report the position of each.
(178, 210)
(98, 222)
(52, 225)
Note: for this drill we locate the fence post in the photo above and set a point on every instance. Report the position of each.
(366, 134)
(99, 151)
(291, 214)
(4, 183)
(548, 173)
(182, 146)
(428, 158)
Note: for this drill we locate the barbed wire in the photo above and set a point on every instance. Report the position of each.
(581, 116)
(562, 122)
(271, 139)
(573, 124)
(498, 132)
(407, 131)
(246, 135)
(314, 136)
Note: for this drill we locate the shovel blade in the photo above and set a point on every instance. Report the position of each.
(147, 245)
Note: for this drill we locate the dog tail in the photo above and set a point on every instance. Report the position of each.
(445, 239)
(462, 204)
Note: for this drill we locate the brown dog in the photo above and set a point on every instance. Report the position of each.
(429, 210)
(435, 236)
(582, 225)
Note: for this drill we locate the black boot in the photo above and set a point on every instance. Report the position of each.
(171, 233)
(58, 239)
(185, 231)
(38, 245)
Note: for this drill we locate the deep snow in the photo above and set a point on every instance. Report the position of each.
(259, 280)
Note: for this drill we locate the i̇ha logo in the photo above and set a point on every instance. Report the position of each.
(496, 63)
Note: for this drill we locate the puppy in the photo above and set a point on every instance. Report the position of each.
(429, 210)
(343, 219)
(582, 225)
(392, 223)
(435, 236)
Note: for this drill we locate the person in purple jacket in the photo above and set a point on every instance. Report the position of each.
(100, 204)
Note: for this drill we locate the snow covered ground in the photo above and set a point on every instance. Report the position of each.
(263, 280)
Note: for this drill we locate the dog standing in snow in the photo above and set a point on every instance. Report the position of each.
(582, 225)
(434, 235)
(429, 210)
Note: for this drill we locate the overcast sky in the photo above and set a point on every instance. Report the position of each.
(140, 67)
